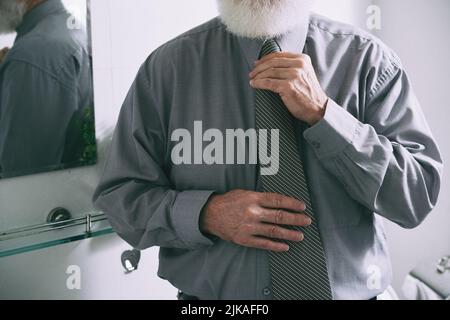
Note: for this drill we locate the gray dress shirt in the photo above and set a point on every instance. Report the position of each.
(45, 84)
(372, 156)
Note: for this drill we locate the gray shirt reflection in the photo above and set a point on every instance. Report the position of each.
(45, 94)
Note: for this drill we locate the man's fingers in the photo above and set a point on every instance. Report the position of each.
(272, 231)
(276, 63)
(281, 217)
(267, 244)
(290, 55)
(275, 85)
(277, 73)
(278, 201)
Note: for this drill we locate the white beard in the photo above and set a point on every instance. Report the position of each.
(11, 15)
(263, 19)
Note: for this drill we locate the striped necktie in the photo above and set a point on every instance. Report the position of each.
(301, 273)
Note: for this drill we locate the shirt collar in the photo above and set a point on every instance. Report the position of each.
(294, 41)
(37, 14)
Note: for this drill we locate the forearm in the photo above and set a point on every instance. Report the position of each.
(392, 180)
(146, 216)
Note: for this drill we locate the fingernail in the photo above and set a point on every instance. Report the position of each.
(302, 237)
(251, 83)
(308, 221)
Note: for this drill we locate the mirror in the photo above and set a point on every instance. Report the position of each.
(46, 88)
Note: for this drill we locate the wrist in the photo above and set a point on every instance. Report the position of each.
(205, 217)
(317, 114)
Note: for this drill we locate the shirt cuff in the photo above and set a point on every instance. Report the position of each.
(334, 132)
(186, 215)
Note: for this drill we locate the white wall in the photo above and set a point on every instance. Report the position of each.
(42, 274)
(418, 31)
(6, 40)
(348, 11)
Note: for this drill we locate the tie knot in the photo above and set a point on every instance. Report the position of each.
(269, 46)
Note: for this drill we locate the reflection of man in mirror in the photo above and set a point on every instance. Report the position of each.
(45, 88)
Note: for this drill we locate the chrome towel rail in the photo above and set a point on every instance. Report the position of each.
(88, 220)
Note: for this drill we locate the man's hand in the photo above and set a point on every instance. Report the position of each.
(254, 219)
(3, 53)
(292, 76)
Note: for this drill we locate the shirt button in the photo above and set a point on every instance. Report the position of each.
(266, 292)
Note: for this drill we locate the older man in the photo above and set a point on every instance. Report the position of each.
(45, 88)
(353, 144)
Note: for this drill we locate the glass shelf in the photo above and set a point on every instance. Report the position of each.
(37, 237)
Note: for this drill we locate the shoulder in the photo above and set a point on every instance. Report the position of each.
(51, 45)
(37, 48)
(52, 56)
(186, 45)
(345, 36)
(200, 31)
